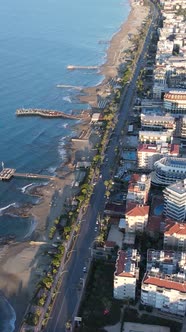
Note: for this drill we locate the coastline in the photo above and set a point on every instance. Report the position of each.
(18, 283)
(119, 43)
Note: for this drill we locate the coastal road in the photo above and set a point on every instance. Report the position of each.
(67, 299)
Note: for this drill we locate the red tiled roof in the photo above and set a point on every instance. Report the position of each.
(181, 287)
(147, 148)
(134, 178)
(138, 210)
(120, 265)
(110, 244)
(171, 229)
(152, 148)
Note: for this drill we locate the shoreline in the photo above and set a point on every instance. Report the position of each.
(18, 283)
(118, 44)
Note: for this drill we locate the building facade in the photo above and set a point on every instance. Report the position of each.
(164, 292)
(168, 170)
(175, 201)
(175, 102)
(138, 189)
(175, 236)
(148, 154)
(126, 274)
(136, 218)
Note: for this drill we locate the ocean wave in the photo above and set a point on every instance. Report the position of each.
(51, 170)
(7, 315)
(65, 125)
(31, 229)
(67, 98)
(23, 189)
(61, 149)
(6, 207)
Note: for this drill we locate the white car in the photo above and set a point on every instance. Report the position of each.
(96, 229)
(84, 269)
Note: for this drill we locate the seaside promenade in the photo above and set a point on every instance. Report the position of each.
(68, 298)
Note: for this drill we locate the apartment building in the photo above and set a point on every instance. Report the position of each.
(126, 274)
(138, 189)
(164, 292)
(168, 170)
(148, 154)
(167, 261)
(157, 121)
(175, 102)
(136, 217)
(183, 127)
(175, 201)
(149, 136)
(175, 236)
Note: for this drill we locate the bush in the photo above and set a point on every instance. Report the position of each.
(141, 306)
(149, 308)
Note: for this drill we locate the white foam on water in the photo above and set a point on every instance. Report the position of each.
(67, 98)
(61, 149)
(6, 207)
(51, 170)
(23, 189)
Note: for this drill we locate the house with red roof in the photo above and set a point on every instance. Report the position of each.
(136, 217)
(164, 292)
(175, 236)
(126, 274)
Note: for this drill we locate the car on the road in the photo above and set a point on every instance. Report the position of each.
(84, 269)
(97, 222)
(96, 229)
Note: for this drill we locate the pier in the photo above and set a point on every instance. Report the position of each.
(71, 67)
(79, 88)
(8, 173)
(51, 114)
(34, 176)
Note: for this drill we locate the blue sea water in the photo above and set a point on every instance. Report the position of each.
(39, 38)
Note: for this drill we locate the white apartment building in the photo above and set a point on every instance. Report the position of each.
(183, 127)
(175, 201)
(175, 236)
(164, 292)
(136, 218)
(148, 136)
(126, 274)
(138, 188)
(175, 102)
(148, 154)
(158, 121)
(168, 170)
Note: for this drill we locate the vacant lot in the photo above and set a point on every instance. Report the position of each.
(99, 309)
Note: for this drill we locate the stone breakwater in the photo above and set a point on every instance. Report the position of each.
(51, 114)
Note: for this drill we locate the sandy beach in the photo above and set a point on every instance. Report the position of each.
(22, 264)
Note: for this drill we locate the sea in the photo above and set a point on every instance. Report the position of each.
(39, 39)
